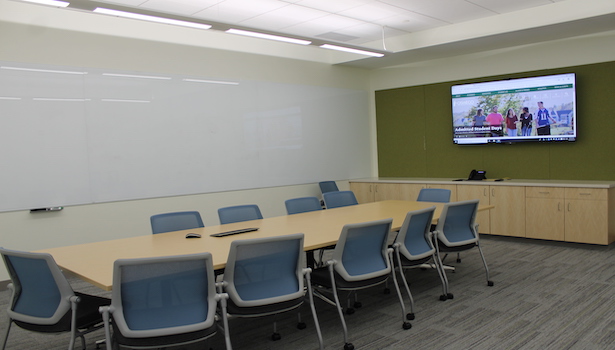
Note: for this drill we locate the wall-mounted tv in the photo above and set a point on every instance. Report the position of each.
(515, 110)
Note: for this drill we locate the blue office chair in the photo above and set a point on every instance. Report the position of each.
(361, 259)
(414, 248)
(239, 213)
(438, 195)
(182, 220)
(43, 301)
(457, 231)
(163, 301)
(264, 276)
(327, 186)
(302, 205)
(339, 199)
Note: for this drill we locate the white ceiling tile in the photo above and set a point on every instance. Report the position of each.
(284, 17)
(333, 6)
(179, 7)
(503, 6)
(451, 11)
(236, 11)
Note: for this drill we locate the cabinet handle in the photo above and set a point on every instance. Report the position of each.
(568, 206)
(559, 206)
(493, 192)
(585, 194)
(371, 188)
(485, 191)
(547, 192)
(376, 188)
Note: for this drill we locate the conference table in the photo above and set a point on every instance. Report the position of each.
(93, 262)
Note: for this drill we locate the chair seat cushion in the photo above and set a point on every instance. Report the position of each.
(444, 248)
(321, 277)
(269, 309)
(163, 340)
(87, 316)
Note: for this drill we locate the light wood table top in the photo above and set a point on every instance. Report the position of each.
(93, 262)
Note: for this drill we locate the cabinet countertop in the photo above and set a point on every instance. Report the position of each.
(490, 182)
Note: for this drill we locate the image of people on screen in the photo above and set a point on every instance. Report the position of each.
(543, 120)
(495, 121)
(511, 123)
(526, 122)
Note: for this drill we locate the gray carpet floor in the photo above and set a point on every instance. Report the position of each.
(547, 295)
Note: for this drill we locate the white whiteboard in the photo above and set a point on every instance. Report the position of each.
(95, 136)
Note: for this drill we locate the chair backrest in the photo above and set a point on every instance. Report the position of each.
(264, 271)
(414, 237)
(162, 296)
(457, 223)
(361, 251)
(239, 213)
(438, 195)
(181, 220)
(339, 199)
(302, 205)
(327, 186)
(41, 292)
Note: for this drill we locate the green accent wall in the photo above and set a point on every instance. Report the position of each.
(415, 134)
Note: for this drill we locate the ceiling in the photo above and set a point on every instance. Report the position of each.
(356, 22)
(405, 30)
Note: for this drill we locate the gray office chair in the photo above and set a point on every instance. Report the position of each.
(265, 276)
(339, 199)
(238, 213)
(438, 195)
(457, 231)
(327, 186)
(181, 220)
(414, 248)
(302, 205)
(361, 259)
(43, 301)
(163, 301)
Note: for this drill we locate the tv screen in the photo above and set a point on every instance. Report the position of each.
(515, 110)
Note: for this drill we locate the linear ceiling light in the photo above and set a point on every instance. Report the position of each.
(136, 76)
(211, 81)
(347, 49)
(50, 2)
(268, 36)
(43, 70)
(151, 18)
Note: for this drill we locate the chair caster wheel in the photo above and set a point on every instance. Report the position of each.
(387, 291)
(490, 283)
(407, 325)
(357, 304)
(349, 311)
(301, 325)
(348, 346)
(276, 336)
(410, 316)
(443, 297)
(458, 260)
(450, 295)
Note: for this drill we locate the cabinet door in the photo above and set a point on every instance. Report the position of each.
(468, 192)
(544, 218)
(391, 191)
(364, 191)
(508, 216)
(586, 221)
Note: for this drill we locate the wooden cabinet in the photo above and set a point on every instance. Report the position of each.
(481, 192)
(507, 218)
(573, 214)
(544, 213)
(587, 215)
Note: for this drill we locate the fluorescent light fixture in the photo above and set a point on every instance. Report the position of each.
(151, 18)
(347, 49)
(61, 99)
(212, 81)
(119, 100)
(268, 36)
(43, 70)
(136, 76)
(50, 2)
(9, 98)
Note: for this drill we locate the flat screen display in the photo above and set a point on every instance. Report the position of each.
(515, 110)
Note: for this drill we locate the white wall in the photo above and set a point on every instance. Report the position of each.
(95, 222)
